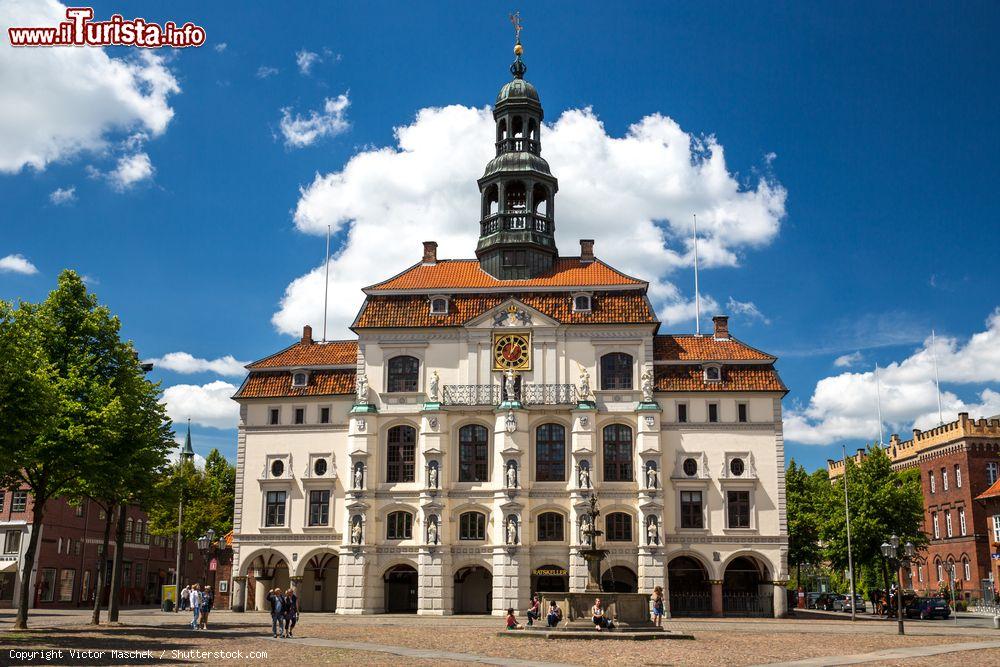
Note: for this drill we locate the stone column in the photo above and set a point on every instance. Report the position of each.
(353, 587)
(237, 600)
(511, 579)
(652, 569)
(435, 586)
(716, 597)
(780, 599)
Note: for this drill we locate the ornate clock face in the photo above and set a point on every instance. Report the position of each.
(511, 351)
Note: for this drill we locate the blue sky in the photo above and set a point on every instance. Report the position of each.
(877, 124)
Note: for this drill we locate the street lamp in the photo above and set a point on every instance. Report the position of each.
(951, 583)
(892, 553)
(205, 546)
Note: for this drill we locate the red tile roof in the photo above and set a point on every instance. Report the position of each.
(756, 377)
(274, 384)
(466, 273)
(414, 311)
(992, 492)
(704, 348)
(331, 353)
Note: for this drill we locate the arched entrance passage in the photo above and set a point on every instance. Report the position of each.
(619, 579)
(400, 590)
(550, 579)
(690, 592)
(473, 590)
(744, 591)
(318, 591)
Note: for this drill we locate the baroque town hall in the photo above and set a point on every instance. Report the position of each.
(441, 462)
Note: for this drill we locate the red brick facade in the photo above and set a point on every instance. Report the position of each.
(68, 555)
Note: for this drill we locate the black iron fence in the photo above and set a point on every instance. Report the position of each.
(748, 604)
(690, 604)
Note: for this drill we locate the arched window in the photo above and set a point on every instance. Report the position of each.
(439, 306)
(617, 453)
(299, 379)
(401, 449)
(581, 303)
(966, 569)
(550, 527)
(399, 526)
(940, 571)
(616, 371)
(540, 199)
(473, 454)
(472, 526)
(516, 197)
(618, 527)
(550, 453)
(403, 372)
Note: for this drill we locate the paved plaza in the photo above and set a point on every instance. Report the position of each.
(154, 637)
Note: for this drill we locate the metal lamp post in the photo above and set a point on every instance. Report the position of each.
(891, 552)
(205, 543)
(951, 584)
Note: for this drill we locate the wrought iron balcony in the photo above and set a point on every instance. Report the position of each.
(494, 394)
(517, 222)
(518, 145)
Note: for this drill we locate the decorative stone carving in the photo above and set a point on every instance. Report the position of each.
(432, 475)
(584, 421)
(650, 421)
(361, 388)
(510, 423)
(356, 535)
(585, 529)
(432, 530)
(646, 384)
(650, 475)
(510, 384)
(584, 475)
(359, 476)
(511, 475)
(511, 530)
(435, 385)
(433, 423)
(361, 424)
(583, 388)
(652, 532)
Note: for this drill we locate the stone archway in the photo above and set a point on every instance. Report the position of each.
(746, 588)
(689, 587)
(270, 570)
(318, 589)
(619, 579)
(550, 579)
(473, 590)
(400, 582)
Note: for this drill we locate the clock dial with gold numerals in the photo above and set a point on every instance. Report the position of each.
(512, 351)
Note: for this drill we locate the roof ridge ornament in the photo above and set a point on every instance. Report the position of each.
(518, 68)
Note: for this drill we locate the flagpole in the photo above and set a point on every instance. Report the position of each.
(697, 295)
(878, 406)
(850, 557)
(937, 380)
(326, 285)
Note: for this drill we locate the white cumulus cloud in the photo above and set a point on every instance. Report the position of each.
(17, 264)
(264, 71)
(634, 194)
(848, 360)
(183, 362)
(61, 196)
(57, 102)
(131, 170)
(305, 61)
(207, 404)
(844, 406)
(300, 131)
(746, 309)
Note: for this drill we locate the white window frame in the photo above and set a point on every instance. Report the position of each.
(7, 542)
(948, 529)
(270, 410)
(991, 472)
(930, 476)
(996, 528)
(718, 369)
(967, 566)
(944, 479)
(687, 412)
(590, 302)
(937, 526)
(746, 407)
(319, 414)
(958, 476)
(438, 297)
(718, 412)
(305, 415)
(15, 501)
(263, 506)
(961, 521)
(726, 488)
(304, 374)
(940, 571)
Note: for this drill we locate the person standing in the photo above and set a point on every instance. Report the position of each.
(206, 606)
(195, 599)
(291, 611)
(185, 598)
(658, 606)
(274, 597)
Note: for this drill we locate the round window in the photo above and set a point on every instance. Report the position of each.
(277, 468)
(736, 467)
(690, 467)
(320, 467)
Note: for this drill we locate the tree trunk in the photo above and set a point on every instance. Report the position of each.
(116, 572)
(23, 597)
(99, 584)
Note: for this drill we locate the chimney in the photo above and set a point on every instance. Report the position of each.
(307, 335)
(721, 327)
(430, 252)
(586, 251)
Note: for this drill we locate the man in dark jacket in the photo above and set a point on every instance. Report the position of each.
(276, 600)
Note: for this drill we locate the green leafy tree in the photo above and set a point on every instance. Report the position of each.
(62, 367)
(804, 497)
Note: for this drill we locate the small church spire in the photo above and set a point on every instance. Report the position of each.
(188, 452)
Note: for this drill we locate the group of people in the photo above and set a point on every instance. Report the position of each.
(284, 611)
(599, 613)
(199, 600)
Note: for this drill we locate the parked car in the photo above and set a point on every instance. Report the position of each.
(826, 601)
(811, 598)
(844, 604)
(927, 608)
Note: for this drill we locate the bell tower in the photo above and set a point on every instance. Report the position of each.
(517, 190)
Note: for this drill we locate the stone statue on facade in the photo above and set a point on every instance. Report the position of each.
(646, 383)
(584, 477)
(585, 529)
(650, 477)
(435, 384)
(652, 531)
(511, 530)
(356, 532)
(583, 388)
(432, 477)
(358, 477)
(510, 384)
(361, 388)
(511, 476)
(432, 532)
(510, 422)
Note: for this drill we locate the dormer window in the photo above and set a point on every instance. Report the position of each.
(439, 305)
(300, 379)
(582, 303)
(713, 373)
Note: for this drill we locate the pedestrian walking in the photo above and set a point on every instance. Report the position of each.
(274, 597)
(290, 611)
(207, 598)
(195, 599)
(185, 598)
(658, 606)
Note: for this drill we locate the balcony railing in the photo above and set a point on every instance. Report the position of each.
(494, 394)
(518, 145)
(517, 222)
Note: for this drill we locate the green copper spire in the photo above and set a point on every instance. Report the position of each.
(188, 452)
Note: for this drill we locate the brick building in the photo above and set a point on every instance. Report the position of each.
(958, 461)
(990, 500)
(68, 554)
